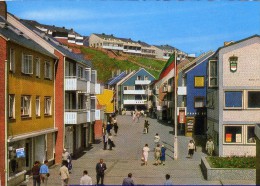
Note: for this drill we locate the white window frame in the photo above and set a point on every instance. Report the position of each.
(213, 77)
(224, 133)
(199, 97)
(38, 67)
(27, 64)
(247, 100)
(80, 72)
(246, 136)
(12, 60)
(88, 74)
(38, 106)
(47, 70)
(233, 108)
(11, 112)
(47, 105)
(25, 106)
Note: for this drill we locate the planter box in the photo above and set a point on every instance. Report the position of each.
(216, 174)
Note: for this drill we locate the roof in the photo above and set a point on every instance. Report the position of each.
(116, 79)
(16, 36)
(53, 42)
(165, 47)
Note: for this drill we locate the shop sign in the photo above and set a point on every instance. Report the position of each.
(182, 118)
(20, 153)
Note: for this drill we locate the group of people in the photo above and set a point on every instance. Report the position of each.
(107, 134)
(40, 173)
(192, 147)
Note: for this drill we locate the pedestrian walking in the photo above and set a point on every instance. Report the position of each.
(168, 181)
(162, 158)
(44, 172)
(157, 154)
(128, 180)
(108, 127)
(105, 141)
(138, 116)
(145, 153)
(134, 116)
(146, 126)
(36, 174)
(100, 169)
(85, 179)
(156, 139)
(69, 163)
(210, 146)
(115, 126)
(110, 141)
(191, 148)
(64, 173)
(65, 155)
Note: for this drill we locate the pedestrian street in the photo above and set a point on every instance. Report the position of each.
(126, 157)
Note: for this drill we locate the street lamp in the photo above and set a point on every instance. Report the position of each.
(175, 144)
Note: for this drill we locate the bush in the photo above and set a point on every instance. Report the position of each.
(232, 162)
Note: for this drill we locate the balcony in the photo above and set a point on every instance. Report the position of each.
(132, 51)
(134, 92)
(112, 47)
(135, 102)
(182, 91)
(142, 82)
(170, 88)
(74, 83)
(76, 117)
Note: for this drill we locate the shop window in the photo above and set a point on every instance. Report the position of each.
(199, 102)
(253, 99)
(47, 105)
(199, 81)
(233, 134)
(37, 106)
(213, 76)
(38, 67)
(47, 70)
(12, 60)
(233, 99)
(11, 106)
(27, 64)
(25, 106)
(251, 134)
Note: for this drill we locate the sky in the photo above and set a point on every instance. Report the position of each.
(192, 26)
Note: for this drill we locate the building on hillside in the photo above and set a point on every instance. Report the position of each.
(66, 36)
(128, 46)
(191, 110)
(28, 93)
(75, 88)
(132, 92)
(233, 97)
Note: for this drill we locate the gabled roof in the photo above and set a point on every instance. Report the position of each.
(116, 79)
(139, 71)
(13, 34)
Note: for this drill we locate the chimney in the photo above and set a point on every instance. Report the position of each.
(3, 9)
(226, 43)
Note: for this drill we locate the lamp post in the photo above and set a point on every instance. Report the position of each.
(175, 108)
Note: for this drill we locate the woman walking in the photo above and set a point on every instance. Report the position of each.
(115, 126)
(146, 153)
(191, 148)
(157, 154)
(162, 158)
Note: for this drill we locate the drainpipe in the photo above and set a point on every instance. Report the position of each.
(64, 66)
(6, 124)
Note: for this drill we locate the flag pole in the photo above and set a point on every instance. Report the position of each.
(175, 108)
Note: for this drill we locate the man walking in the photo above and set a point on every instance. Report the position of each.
(36, 174)
(100, 169)
(128, 180)
(156, 139)
(210, 147)
(85, 179)
(44, 172)
(168, 181)
(64, 173)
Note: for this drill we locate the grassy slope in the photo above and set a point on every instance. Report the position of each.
(105, 65)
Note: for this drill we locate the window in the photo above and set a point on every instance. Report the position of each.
(199, 102)
(88, 74)
(250, 134)
(25, 105)
(199, 81)
(37, 67)
(233, 99)
(81, 101)
(37, 106)
(93, 76)
(138, 77)
(27, 64)
(11, 106)
(80, 72)
(12, 60)
(213, 76)
(47, 70)
(233, 134)
(47, 105)
(253, 99)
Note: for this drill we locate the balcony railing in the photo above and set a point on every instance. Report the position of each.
(74, 83)
(113, 47)
(182, 91)
(142, 82)
(132, 51)
(75, 117)
(135, 102)
(134, 92)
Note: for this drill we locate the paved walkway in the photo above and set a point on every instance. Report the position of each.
(125, 158)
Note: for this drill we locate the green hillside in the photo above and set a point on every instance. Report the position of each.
(105, 64)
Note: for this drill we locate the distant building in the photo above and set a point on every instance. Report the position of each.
(165, 51)
(233, 97)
